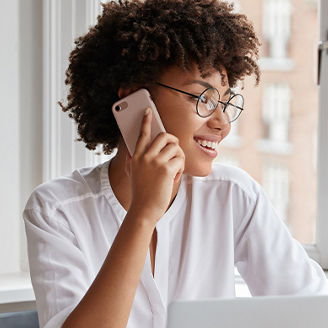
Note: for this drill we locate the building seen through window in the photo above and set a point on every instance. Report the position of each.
(276, 27)
(274, 139)
(276, 111)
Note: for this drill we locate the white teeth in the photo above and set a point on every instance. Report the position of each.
(210, 144)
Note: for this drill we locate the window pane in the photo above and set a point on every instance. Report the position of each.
(275, 137)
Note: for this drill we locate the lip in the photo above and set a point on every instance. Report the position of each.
(212, 153)
(209, 137)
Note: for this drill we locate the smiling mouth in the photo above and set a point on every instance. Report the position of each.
(207, 144)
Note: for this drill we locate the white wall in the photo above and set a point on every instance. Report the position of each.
(30, 59)
(20, 122)
(9, 135)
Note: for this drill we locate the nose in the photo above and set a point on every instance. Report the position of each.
(218, 119)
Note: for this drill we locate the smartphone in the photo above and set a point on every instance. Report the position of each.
(129, 113)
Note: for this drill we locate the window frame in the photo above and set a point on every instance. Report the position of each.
(320, 249)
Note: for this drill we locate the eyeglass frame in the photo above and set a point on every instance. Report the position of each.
(225, 104)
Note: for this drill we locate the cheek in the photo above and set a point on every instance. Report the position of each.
(226, 131)
(177, 120)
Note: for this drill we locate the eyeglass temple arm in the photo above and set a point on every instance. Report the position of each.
(187, 93)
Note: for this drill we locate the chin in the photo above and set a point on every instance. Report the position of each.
(200, 170)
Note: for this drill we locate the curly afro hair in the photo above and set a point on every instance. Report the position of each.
(134, 41)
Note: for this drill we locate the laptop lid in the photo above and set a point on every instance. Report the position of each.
(254, 312)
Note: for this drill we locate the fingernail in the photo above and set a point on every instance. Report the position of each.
(147, 111)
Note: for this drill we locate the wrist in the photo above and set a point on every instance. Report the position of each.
(142, 217)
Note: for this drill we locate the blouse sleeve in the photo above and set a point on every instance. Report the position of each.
(270, 260)
(59, 274)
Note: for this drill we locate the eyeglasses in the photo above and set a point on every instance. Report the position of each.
(209, 100)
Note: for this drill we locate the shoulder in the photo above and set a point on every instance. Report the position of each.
(230, 177)
(81, 183)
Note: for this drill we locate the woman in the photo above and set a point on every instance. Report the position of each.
(112, 245)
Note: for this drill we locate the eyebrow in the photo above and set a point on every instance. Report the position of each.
(206, 85)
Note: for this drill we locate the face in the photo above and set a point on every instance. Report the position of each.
(179, 115)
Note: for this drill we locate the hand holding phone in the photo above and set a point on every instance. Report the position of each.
(158, 162)
(153, 172)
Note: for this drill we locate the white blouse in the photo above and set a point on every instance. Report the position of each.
(215, 223)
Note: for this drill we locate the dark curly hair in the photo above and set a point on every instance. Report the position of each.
(134, 41)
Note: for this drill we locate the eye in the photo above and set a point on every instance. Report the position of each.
(193, 99)
(203, 99)
(211, 105)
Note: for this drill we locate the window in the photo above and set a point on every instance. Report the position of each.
(63, 22)
(283, 129)
(275, 111)
(276, 183)
(276, 26)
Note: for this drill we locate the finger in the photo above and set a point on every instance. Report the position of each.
(161, 140)
(168, 152)
(145, 133)
(177, 163)
(183, 160)
(177, 166)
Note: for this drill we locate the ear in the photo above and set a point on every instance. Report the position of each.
(122, 92)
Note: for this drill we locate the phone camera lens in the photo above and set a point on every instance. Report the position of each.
(117, 108)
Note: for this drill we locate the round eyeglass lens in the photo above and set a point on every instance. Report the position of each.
(234, 107)
(207, 102)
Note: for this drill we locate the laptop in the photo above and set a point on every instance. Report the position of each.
(252, 312)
